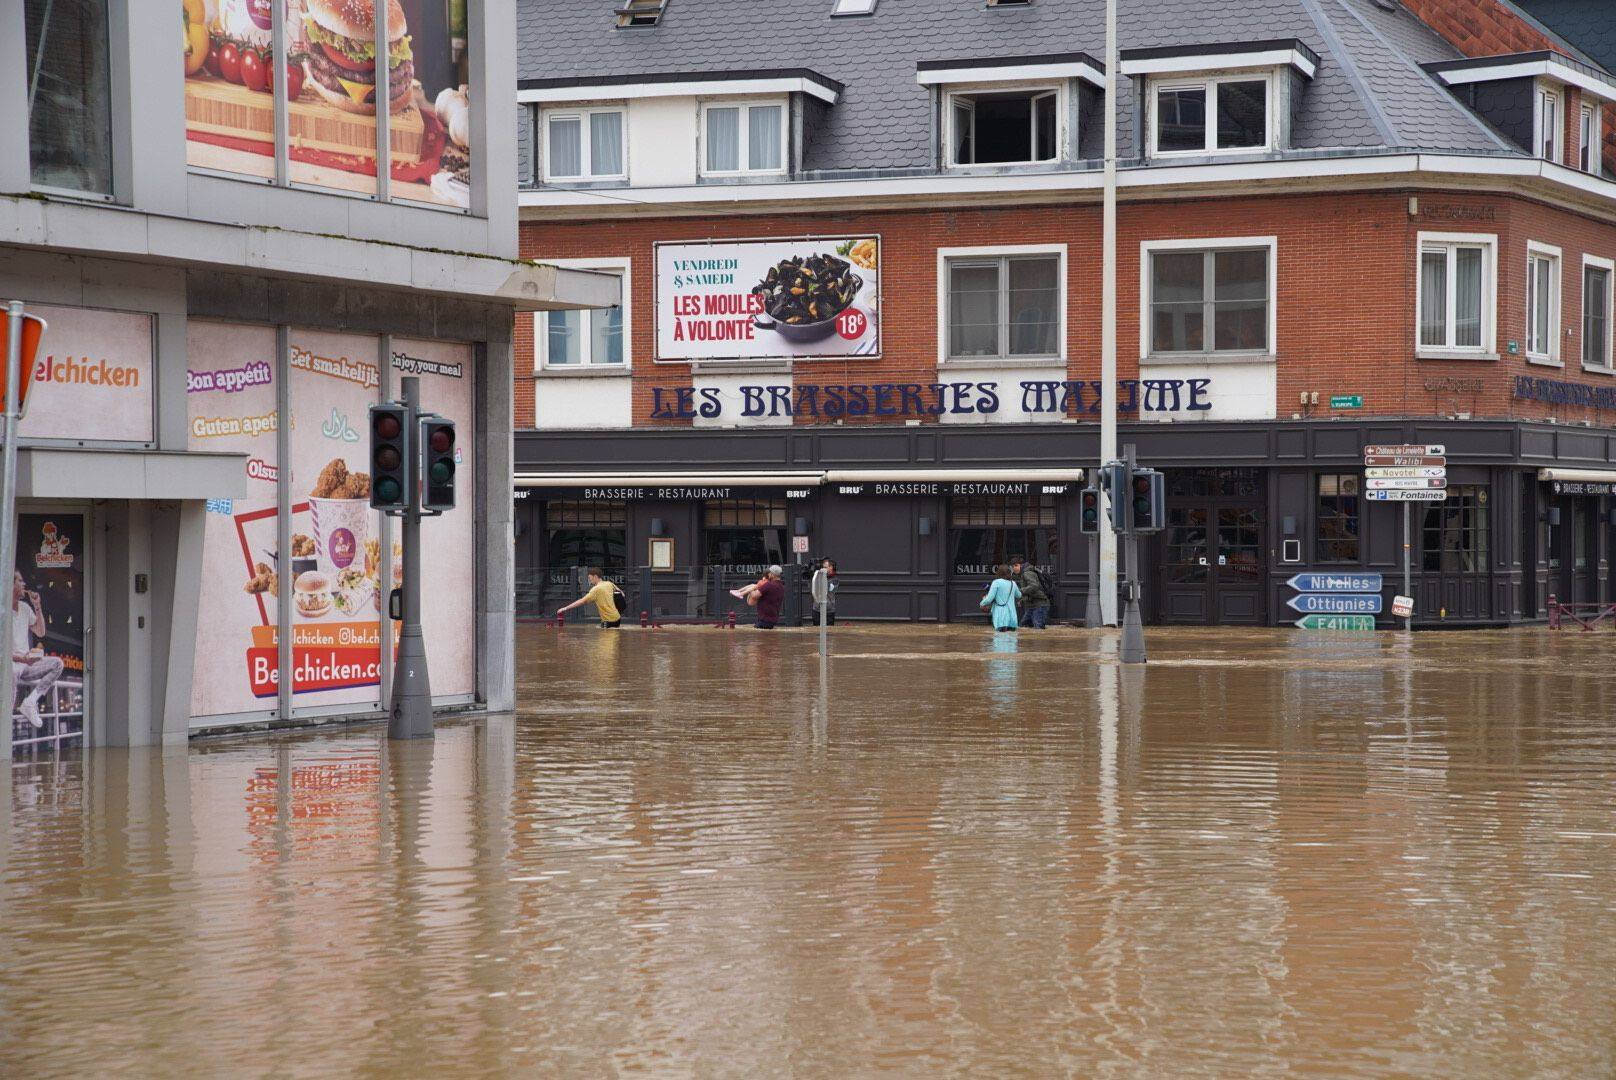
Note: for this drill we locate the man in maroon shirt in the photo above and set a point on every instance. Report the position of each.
(768, 598)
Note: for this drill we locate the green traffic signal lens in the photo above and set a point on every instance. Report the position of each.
(442, 472)
(387, 490)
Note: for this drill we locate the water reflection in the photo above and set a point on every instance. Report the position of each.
(703, 852)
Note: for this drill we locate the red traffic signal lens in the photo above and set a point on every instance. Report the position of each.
(387, 457)
(442, 440)
(1141, 484)
(387, 426)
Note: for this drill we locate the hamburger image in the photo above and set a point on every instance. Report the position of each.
(341, 62)
(312, 595)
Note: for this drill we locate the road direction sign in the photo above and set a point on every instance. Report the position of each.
(1336, 603)
(1402, 606)
(1372, 460)
(1424, 449)
(1375, 483)
(1336, 622)
(1335, 583)
(1378, 472)
(1420, 495)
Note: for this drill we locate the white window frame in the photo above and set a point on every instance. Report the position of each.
(1488, 349)
(1595, 262)
(582, 115)
(1590, 133)
(948, 254)
(1210, 82)
(1534, 252)
(1034, 90)
(744, 153)
(586, 365)
(1148, 248)
(1555, 142)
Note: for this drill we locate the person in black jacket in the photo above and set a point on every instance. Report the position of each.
(1034, 597)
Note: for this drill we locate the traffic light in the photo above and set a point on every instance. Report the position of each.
(1148, 492)
(1089, 525)
(389, 458)
(1114, 479)
(437, 464)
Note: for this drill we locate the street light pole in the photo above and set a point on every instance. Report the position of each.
(1108, 316)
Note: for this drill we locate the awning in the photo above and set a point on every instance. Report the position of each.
(1583, 476)
(669, 480)
(72, 473)
(962, 475)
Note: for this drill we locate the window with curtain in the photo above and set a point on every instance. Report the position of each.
(1004, 306)
(1209, 300)
(69, 88)
(1457, 531)
(1455, 294)
(1596, 303)
(578, 339)
(1548, 125)
(1209, 115)
(1338, 505)
(1588, 131)
(1543, 305)
(584, 144)
(743, 138)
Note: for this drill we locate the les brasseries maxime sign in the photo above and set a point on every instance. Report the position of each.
(1055, 397)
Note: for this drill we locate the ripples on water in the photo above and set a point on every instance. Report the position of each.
(689, 854)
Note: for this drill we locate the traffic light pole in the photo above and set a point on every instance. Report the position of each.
(1132, 648)
(411, 717)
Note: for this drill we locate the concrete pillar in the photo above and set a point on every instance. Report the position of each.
(496, 637)
(127, 631)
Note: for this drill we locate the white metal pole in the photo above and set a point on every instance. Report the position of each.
(1108, 317)
(8, 512)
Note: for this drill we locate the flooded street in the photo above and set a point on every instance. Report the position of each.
(692, 853)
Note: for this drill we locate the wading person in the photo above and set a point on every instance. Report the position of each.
(1034, 596)
(30, 667)
(767, 598)
(829, 566)
(603, 594)
(1000, 599)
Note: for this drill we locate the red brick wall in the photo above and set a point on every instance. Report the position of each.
(1346, 289)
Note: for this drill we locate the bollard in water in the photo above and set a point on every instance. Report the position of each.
(560, 620)
(1554, 613)
(731, 624)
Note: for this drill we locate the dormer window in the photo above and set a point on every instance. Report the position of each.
(1549, 125)
(1004, 127)
(740, 138)
(583, 144)
(1211, 115)
(639, 13)
(1588, 129)
(1497, 88)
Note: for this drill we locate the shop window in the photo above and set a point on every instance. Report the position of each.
(584, 144)
(1597, 278)
(1203, 299)
(743, 138)
(1005, 305)
(1004, 127)
(987, 530)
(579, 339)
(1548, 124)
(1581, 534)
(1338, 508)
(69, 95)
(744, 537)
(1202, 116)
(587, 534)
(1553, 535)
(1543, 303)
(1456, 290)
(1456, 532)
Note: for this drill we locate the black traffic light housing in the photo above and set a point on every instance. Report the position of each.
(1089, 508)
(437, 464)
(1114, 479)
(1147, 491)
(389, 458)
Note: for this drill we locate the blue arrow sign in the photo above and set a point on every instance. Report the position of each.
(1336, 583)
(1336, 603)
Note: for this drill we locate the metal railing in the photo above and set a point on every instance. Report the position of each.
(1588, 616)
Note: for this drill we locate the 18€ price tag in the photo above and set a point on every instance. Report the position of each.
(851, 323)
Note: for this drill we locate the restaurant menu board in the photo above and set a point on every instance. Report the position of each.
(328, 78)
(769, 298)
(93, 377)
(448, 558)
(335, 564)
(48, 634)
(231, 399)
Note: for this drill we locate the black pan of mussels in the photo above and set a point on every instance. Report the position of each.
(803, 296)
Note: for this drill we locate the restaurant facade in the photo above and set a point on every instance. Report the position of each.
(861, 311)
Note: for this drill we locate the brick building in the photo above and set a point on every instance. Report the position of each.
(1341, 223)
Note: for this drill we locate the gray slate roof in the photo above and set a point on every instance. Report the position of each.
(1587, 25)
(1369, 91)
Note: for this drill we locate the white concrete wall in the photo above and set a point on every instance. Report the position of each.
(563, 402)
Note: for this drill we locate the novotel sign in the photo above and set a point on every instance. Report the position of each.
(1052, 397)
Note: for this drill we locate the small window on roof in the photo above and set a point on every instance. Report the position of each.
(1008, 3)
(641, 13)
(853, 7)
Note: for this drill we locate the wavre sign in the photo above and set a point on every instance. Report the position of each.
(93, 381)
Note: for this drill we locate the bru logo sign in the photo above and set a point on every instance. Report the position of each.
(341, 547)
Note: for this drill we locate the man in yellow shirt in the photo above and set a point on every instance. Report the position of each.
(603, 594)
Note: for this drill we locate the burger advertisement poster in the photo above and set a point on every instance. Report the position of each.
(328, 78)
(335, 570)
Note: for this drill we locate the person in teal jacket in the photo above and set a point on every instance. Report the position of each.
(1000, 600)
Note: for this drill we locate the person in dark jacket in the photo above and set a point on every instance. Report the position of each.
(1034, 598)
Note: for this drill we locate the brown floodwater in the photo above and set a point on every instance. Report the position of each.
(696, 852)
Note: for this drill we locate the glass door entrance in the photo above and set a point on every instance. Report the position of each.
(1213, 561)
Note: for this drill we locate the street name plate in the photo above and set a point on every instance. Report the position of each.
(1336, 622)
(1421, 495)
(1424, 449)
(1376, 472)
(1346, 401)
(1336, 583)
(1386, 483)
(1371, 460)
(1336, 603)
